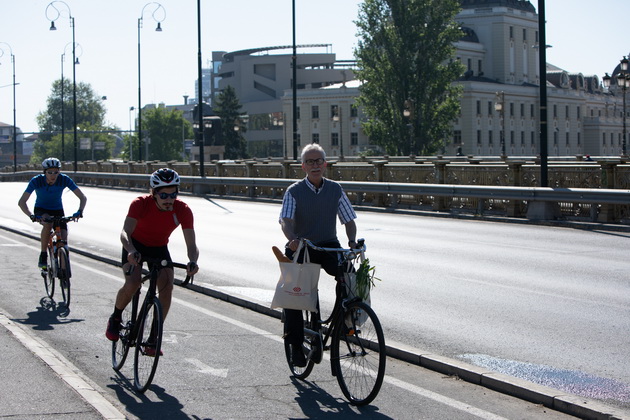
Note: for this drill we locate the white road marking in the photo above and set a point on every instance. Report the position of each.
(203, 368)
(273, 336)
(63, 368)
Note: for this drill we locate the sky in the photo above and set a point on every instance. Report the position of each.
(585, 36)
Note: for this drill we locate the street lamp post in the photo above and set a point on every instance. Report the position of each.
(131, 109)
(157, 8)
(499, 105)
(14, 122)
(53, 8)
(294, 86)
(63, 119)
(623, 82)
(337, 118)
(200, 103)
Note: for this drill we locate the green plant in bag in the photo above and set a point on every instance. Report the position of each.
(365, 279)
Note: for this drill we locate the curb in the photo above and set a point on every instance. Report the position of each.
(574, 405)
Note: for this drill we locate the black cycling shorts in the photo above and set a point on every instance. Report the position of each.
(38, 211)
(160, 252)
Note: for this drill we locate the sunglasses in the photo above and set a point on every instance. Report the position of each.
(164, 195)
(52, 172)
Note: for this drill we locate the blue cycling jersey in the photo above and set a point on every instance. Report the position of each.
(49, 196)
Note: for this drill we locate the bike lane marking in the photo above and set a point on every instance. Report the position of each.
(467, 408)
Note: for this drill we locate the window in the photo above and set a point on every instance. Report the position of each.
(531, 110)
(603, 139)
(522, 110)
(298, 113)
(478, 137)
(555, 111)
(566, 112)
(511, 32)
(334, 110)
(490, 108)
(334, 139)
(478, 107)
(566, 139)
(524, 34)
(522, 138)
(512, 138)
(315, 137)
(532, 138)
(299, 138)
(511, 109)
(354, 139)
(457, 137)
(490, 138)
(354, 111)
(315, 112)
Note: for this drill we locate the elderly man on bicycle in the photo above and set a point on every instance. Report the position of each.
(149, 223)
(49, 187)
(309, 210)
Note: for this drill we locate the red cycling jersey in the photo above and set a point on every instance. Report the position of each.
(154, 225)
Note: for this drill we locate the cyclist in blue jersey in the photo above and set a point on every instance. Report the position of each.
(49, 187)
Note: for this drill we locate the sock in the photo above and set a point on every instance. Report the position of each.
(117, 313)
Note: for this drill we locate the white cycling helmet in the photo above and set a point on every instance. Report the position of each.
(164, 177)
(51, 162)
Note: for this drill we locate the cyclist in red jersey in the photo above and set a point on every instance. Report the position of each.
(149, 223)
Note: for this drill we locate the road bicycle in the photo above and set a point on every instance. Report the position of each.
(58, 261)
(142, 328)
(357, 343)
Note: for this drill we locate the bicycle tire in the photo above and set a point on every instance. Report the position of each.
(309, 346)
(64, 275)
(358, 353)
(120, 348)
(49, 277)
(149, 336)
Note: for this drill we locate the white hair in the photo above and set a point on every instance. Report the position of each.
(311, 147)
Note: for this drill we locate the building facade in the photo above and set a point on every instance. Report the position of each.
(261, 79)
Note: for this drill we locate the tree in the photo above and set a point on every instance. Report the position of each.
(405, 62)
(228, 109)
(166, 130)
(90, 117)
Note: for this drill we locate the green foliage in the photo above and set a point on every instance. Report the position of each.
(166, 130)
(405, 58)
(365, 279)
(90, 118)
(228, 108)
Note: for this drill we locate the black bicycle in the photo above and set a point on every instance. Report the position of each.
(58, 261)
(142, 328)
(357, 343)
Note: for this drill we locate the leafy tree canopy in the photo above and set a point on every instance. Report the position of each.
(228, 109)
(166, 130)
(406, 62)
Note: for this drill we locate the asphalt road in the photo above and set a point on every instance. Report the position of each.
(547, 304)
(221, 362)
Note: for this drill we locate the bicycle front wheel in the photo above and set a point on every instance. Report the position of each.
(49, 274)
(120, 348)
(64, 275)
(358, 353)
(148, 344)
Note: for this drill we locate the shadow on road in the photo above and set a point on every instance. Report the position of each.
(316, 404)
(47, 315)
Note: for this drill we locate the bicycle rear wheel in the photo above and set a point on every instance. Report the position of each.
(148, 344)
(64, 275)
(312, 348)
(120, 348)
(358, 353)
(49, 274)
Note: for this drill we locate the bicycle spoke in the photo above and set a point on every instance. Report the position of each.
(358, 354)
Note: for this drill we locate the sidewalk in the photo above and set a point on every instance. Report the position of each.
(40, 383)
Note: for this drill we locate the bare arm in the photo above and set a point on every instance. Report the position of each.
(82, 198)
(192, 250)
(125, 237)
(288, 228)
(22, 203)
(351, 231)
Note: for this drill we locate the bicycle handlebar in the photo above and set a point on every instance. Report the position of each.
(53, 219)
(360, 247)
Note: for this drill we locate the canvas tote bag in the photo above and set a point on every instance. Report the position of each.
(297, 286)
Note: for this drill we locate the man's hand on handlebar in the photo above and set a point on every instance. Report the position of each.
(191, 268)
